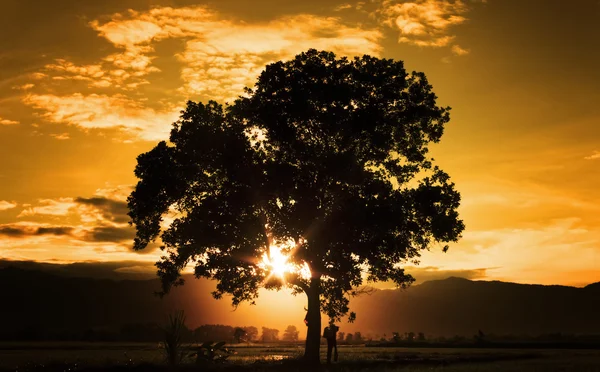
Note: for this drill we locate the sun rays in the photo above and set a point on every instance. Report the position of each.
(278, 261)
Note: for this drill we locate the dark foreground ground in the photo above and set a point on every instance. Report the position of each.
(148, 357)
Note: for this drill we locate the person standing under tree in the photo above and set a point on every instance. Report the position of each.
(330, 334)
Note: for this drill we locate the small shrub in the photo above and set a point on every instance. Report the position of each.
(173, 337)
(209, 353)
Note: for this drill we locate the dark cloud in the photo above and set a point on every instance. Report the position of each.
(110, 234)
(57, 230)
(112, 210)
(22, 231)
(12, 231)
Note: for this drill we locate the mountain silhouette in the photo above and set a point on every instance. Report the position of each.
(34, 300)
(457, 306)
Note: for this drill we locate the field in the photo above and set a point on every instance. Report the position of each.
(141, 357)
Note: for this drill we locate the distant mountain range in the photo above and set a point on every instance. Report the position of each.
(36, 299)
(457, 306)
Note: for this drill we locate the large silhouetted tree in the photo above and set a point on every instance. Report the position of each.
(328, 153)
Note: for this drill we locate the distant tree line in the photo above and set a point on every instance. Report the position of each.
(152, 332)
(482, 340)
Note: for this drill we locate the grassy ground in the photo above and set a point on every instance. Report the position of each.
(148, 357)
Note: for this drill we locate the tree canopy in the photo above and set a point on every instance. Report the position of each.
(325, 158)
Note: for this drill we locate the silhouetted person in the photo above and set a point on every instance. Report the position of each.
(330, 334)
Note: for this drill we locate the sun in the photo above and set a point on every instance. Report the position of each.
(277, 262)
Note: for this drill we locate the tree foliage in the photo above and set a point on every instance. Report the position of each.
(269, 334)
(330, 154)
(290, 334)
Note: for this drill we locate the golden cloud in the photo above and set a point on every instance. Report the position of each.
(457, 50)
(8, 122)
(595, 155)
(6, 205)
(50, 207)
(425, 23)
(117, 74)
(223, 56)
(119, 192)
(61, 136)
(339, 8)
(24, 86)
(220, 57)
(103, 111)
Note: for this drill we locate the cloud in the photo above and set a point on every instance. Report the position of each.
(50, 207)
(99, 218)
(80, 226)
(120, 192)
(107, 207)
(595, 155)
(112, 234)
(342, 7)
(112, 210)
(62, 136)
(222, 56)
(6, 205)
(38, 75)
(114, 72)
(97, 111)
(8, 122)
(25, 86)
(457, 50)
(19, 230)
(222, 65)
(425, 23)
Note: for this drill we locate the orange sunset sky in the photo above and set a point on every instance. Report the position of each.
(86, 86)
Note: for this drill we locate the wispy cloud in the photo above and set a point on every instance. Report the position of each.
(50, 207)
(60, 136)
(595, 155)
(8, 122)
(341, 7)
(103, 111)
(24, 86)
(426, 23)
(6, 205)
(115, 71)
(457, 50)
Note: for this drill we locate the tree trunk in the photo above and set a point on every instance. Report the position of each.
(313, 335)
